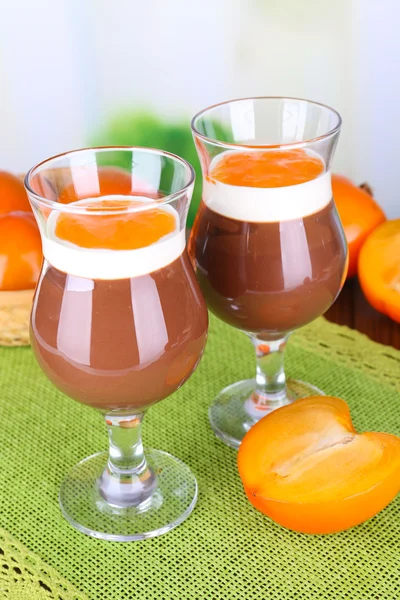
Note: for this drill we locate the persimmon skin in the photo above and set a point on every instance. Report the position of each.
(13, 196)
(379, 269)
(337, 505)
(20, 251)
(360, 214)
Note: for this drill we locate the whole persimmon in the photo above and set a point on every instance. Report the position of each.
(306, 467)
(104, 181)
(13, 196)
(20, 252)
(379, 269)
(359, 213)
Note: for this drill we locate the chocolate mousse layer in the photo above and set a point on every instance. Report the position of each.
(268, 278)
(119, 344)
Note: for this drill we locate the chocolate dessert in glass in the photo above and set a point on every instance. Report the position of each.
(118, 323)
(267, 243)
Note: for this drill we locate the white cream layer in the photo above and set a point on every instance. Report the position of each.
(267, 205)
(112, 264)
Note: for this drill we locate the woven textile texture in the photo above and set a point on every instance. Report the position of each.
(226, 550)
(24, 576)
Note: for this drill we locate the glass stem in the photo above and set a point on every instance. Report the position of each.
(127, 480)
(271, 391)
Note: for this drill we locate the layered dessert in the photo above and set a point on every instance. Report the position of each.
(118, 320)
(267, 244)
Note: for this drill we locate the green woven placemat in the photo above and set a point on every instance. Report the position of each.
(225, 550)
(24, 576)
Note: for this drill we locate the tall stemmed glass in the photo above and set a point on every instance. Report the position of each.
(267, 243)
(118, 323)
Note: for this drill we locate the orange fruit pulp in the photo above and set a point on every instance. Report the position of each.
(359, 213)
(13, 196)
(305, 466)
(20, 252)
(379, 269)
(267, 168)
(260, 169)
(120, 231)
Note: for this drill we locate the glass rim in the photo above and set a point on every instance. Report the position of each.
(75, 208)
(288, 145)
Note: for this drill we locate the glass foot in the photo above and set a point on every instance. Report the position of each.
(85, 508)
(238, 407)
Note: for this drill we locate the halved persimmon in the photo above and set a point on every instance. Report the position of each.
(379, 269)
(360, 214)
(306, 467)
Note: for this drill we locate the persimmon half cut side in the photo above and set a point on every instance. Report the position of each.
(379, 269)
(306, 467)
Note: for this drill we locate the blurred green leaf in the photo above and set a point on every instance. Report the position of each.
(143, 128)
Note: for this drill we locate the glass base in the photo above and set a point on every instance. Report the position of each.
(85, 508)
(238, 407)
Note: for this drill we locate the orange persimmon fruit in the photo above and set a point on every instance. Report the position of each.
(306, 467)
(379, 269)
(13, 196)
(359, 213)
(20, 251)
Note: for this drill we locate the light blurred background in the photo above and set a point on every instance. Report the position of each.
(81, 72)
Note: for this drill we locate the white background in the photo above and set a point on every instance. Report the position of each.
(66, 66)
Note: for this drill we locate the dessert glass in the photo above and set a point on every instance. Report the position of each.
(118, 323)
(267, 243)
